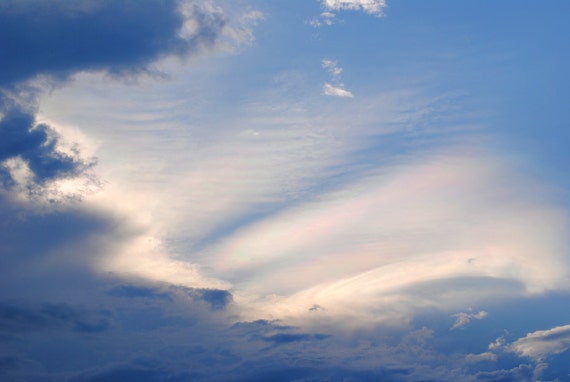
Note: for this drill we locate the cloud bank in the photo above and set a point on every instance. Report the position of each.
(51, 41)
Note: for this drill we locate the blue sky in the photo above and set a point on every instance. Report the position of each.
(301, 190)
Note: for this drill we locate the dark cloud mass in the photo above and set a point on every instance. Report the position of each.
(58, 38)
(24, 319)
(36, 145)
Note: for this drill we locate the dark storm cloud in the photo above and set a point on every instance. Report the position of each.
(58, 38)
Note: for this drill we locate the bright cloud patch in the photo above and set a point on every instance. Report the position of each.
(373, 7)
(336, 91)
(336, 88)
(240, 226)
(463, 319)
(443, 233)
(543, 343)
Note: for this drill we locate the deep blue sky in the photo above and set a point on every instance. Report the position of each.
(301, 190)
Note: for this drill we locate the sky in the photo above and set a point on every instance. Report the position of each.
(300, 190)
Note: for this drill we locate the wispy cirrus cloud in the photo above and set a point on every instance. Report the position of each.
(396, 240)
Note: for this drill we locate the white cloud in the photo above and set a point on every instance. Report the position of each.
(465, 318)
(325, 18)
(230, 196)
(542, 343)
(498, 344)
(336, 91)
(373, 7)
(332, 67)
(442, 232)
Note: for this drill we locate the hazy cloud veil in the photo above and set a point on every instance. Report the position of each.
(326, 190)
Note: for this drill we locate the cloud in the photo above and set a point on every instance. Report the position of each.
(481, 357)
(143, 370)
(464, 318)
(435, 232)
(543, 343)
(285, 338)
(132, 291)
(8, 363)
(373, 7)
(217, 299)
(116, 37)
(325, 18)
(336, 90)
(56, 39)
(32, 154)
(521, 373)
(17, 318)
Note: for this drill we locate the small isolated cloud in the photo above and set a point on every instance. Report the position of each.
(325, 18)
(463, 319)
(335, 88)
(372, 7)
(481, 357)
(336, 91)
(332, 67)
(498, 344)
(542, 343)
